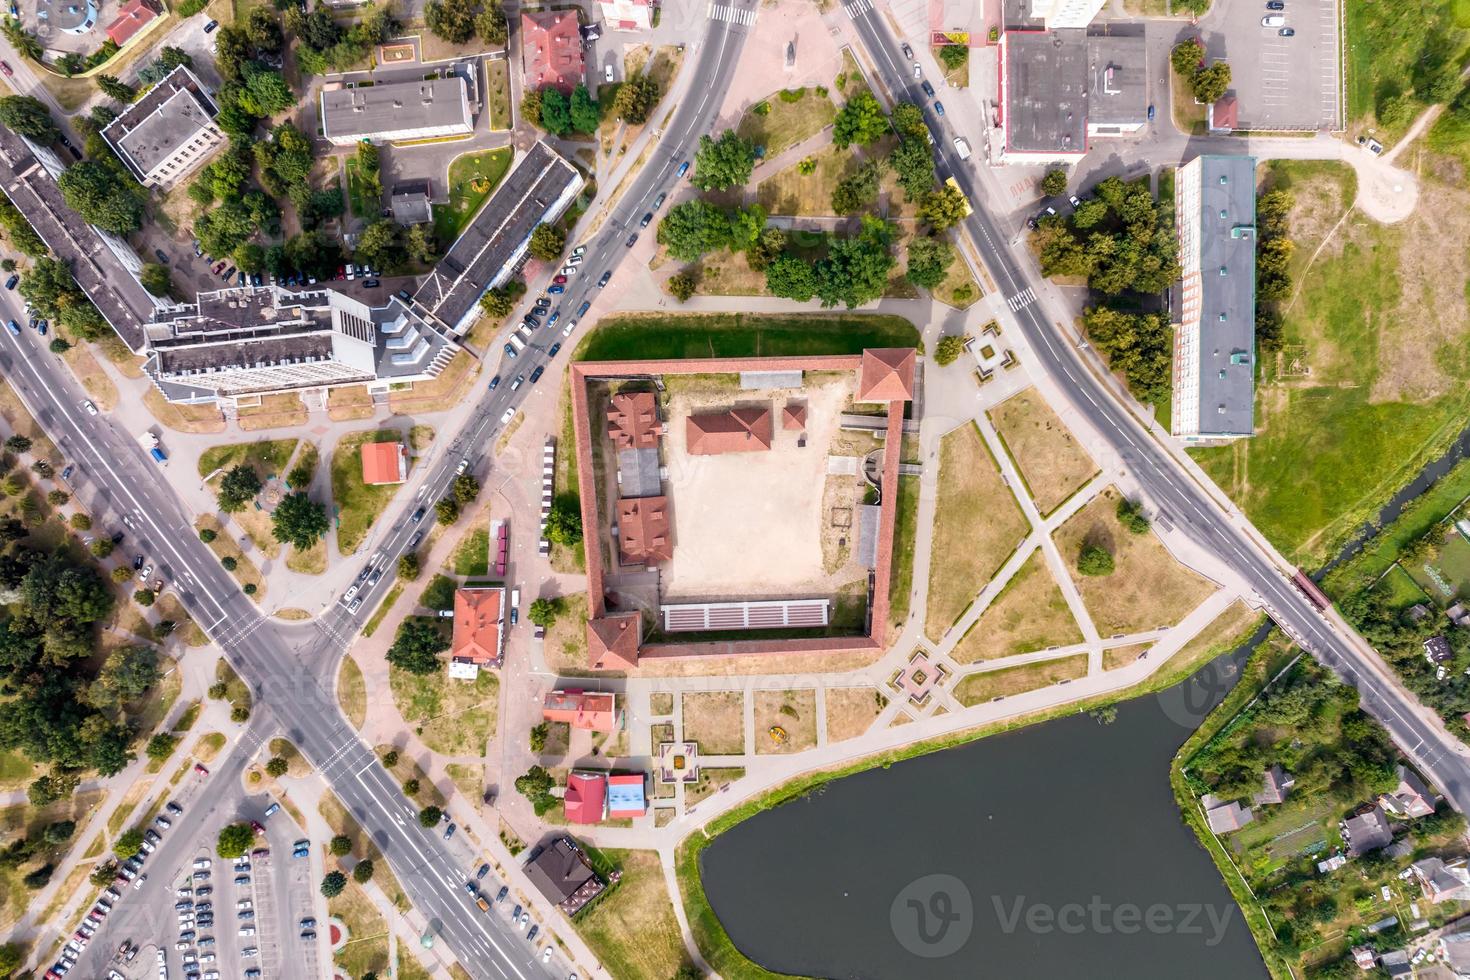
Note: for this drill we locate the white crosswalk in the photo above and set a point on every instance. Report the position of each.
(731, 15)
(858, 8)
(1021, 300)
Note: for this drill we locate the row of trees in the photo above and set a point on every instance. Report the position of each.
(554, 112)
(325, 45)
(1207, 82)
(1274, 249)
(456, 21)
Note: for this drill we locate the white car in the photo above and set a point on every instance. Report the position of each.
(464, 464)
(1273, 20)
(510, 413)
(92, 409)
(607, 72)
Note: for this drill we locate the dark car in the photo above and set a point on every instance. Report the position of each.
(228, 274)
(495, 382)
(558, 289)
(137, 562)
(13, 281)
(75, 152)
(1275, 5)
(211, 26)
(683, 169)
(1287, 32)
(532, 320)
(117, 538)
(413, 542)
(1150, 113)
(582, 310)
(939, 108)
(908, 52)
(536, 374)
(510, 351)
(403, 295)
(632, 240)
(484, 870)
(928, 89)
(606, 278)
(371, 284)
(658, 202)
(643, 223)
(553, 350)
(417, 516)
(161, 256)
(500, 895)
(449, 831)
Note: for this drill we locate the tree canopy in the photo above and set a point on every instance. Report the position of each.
(237, 488)
(417, 646)
(298, 521)
(724, 162)
(861, 120)
(27, 116)
(94, 191)
(234, 840)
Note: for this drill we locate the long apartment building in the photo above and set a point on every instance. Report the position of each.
(1215, 339)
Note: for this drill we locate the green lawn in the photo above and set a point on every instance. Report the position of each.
(1400, 588)
(653, 335)
(790, 120)
(453, 717)
(633, 930)
(1329, 450)
(472, 178)
(268, 458)
(358, 504)
(1389, 43)
(906, 524)
(472, 556)
(359, 195)
(498, 82)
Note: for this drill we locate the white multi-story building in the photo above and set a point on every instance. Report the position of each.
(168, 133)
(1214, 340)
(1066, 13)
(397, 110)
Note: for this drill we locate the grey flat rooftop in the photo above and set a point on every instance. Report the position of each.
(410, 202)
(1118, 93)
(869, 517)
(758, 380)
(389, 107)
(1046, 91)
(202, 357)
(167, 116)
(1227, 347)
(638, 472)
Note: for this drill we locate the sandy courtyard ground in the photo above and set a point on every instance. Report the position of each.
(749, 525)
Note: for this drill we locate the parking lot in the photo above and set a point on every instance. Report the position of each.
(1281, 83)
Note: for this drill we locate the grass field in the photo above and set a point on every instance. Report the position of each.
(795, 712)
(360, 197)
(791, 192)
(351, 692)
(633, 930)
(472, 178)
(358, 503)
(472, 554)
(788, 122)
(497, 75)
(1052, 462)
(1147, 587)
(1116, 657)
(566, 639)
(852, 711)
(979, 688)
(977, 525)
(1029, 614)
(905, 530)
(716, 720)
(1381, 325)
(366, 950)
(652, 335)
(1391, 46)
(455, 717)
(224, 546)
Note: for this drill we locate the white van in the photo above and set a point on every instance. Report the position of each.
(963, 147)
(517, 342)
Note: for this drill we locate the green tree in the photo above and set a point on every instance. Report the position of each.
(547, 242)
(59, 832)
(692, 228)
(161, 746)
(791, 278)
(125, 675)
(26, 116)
(300, 476)
(24, 42)
(114, 89)
(465, 488)
(390, 758)
(102, 876)
(429, 816)
(298, 521)
(234, 841)
(1187, 56)
(417, 646)
(263, 92)
(340, 845)
(408, 566)
(156, 279)
(18, 444)
(948, 350)
(913, 163)
(1210, 83)
(237, 488)
(929, 262)
(564, 523)
(207, 534)
(1131, 516)
(145, 597)
(128, 843)
(381, 244)
(544, 611)
(556, 113)
(362, 872)
(40, 877)
(860, 120)
(95, 192)
(858, 190)
(453, 20)
(333, 883)
(636, 98)
(943, 208)
(908, 120)
(724, 162)
(585, 113)
(953, 56)
(535, 785)
(491, 24)
(538, 737)
(276, 767)
(1054, 183)
(410, 788)
(446, 511)
(1094, 560)
(682, 286)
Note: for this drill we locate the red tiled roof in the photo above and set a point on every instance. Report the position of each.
(593, 711)
(613, 641)
(1225, 113)
(384, 462)
(793, 417)
(740, 430)
(643, 530)
(551, 45)
(586, 795)
(130, 20)
(632, 421)
(887, 375)
(477, 624)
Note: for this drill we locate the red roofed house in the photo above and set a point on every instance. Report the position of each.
(793, 417)
(643, 530)
(1224, 114)
(627, 15)
(593, 711)
(479, 636)
(740, 430)
(887, 375)
(632, 421)
(586, 798)
(130, 20)
(384, 462)
(613, 641)
(551, 47)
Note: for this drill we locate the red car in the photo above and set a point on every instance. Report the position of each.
(5, 67)
(255, 826)
(200, 769)
(559, 279)
(219, 267)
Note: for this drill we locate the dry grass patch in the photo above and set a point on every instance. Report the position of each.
(716, 720)
(208, 746)
(1029, 614)
(451, 717)
(273, 412)
(224, 547)
(90, 373)
(468, 780)
(352, 691)
(312, 561)
(1147, 588)
(366, 950)
(292, 615)
(566, 639)
(128, 364)
(851, 711)
(168, 607)
(349, 404)
(743, 664)
(661, 703)
(710, 781)
(182, 418)
(791, 192)
(437, 394)
(1224, 633)
(979, 688)
(977, 524)
(795, 712)
(296, 764)
(1116, 657)
(1051, 460)
(633, 930)
(360, 504)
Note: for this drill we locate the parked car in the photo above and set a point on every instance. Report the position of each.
(683, 169)
(1273, 20)
(928, 89)
(553, 349)
(1287, 32)
(5, 67)
(644, 221)
(208, 28)
(558, 289)
(536, 374)
(658, 202)
(606, 278)
(14, 279)
(632, 240)
(509, 352)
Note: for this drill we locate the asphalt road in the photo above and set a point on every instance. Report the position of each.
(292, 667)
(1182, 501)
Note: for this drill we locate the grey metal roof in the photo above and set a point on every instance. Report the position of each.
(1046, 91)
(1227, 333)
(169, 115)
(1118, 94)
(638, 472)
(390, 107)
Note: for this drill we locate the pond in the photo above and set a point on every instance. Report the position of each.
(1053, 851)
